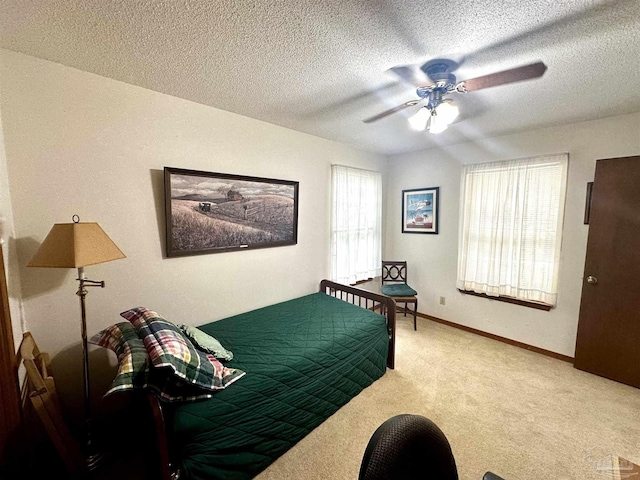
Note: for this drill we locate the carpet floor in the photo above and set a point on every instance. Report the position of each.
(519, 414)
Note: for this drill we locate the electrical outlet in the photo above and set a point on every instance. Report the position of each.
(442, 300)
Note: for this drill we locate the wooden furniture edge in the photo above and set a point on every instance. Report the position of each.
(508, 341)
(162, 442)
(41, 390)
(387, 307)
(10, 409)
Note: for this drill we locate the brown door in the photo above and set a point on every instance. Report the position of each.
(608, 341)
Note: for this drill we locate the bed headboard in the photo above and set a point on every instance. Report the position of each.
(371, 301)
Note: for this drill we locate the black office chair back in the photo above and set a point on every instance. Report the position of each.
(407, 447)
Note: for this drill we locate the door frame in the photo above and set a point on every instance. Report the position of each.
(10, 411)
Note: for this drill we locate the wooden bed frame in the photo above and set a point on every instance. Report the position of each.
(371, 301)
(365, 299)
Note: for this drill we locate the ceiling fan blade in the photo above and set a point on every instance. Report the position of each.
(410, 103)
(518, 74)
(417, 78)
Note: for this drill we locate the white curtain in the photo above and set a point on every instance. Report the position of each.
(356, 226)
(511, 227)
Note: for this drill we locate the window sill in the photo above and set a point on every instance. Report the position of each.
(361, 282)
(524, 303)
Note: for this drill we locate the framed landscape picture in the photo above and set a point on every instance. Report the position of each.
(420, 210)
(210, 212)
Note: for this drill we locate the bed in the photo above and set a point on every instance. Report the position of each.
(303, 358)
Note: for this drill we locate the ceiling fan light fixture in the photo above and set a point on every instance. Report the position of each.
(436, 124)
(447, 111)
(419, 120)
(442, 116)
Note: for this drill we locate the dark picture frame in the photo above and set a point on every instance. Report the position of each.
(420, 207)
(208, 212)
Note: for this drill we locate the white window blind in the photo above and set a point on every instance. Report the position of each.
(356, 230)
(511, 227)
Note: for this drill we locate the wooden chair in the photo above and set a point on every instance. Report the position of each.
(135, 457)
(394, 284)
(42, 394)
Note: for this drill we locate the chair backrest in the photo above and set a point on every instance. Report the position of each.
(394, 271)
(407, 447)
(42, 394)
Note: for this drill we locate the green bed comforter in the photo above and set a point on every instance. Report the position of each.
(304, 359)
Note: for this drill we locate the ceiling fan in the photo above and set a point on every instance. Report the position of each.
(435, 80)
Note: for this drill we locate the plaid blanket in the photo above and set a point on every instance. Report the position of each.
(154, 353)
(133, 360)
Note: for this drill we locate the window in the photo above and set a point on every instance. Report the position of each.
(356, 226)
(511, 228)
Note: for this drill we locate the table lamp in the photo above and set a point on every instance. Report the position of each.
(77, 245)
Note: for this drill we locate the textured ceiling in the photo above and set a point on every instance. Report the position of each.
(320, 66)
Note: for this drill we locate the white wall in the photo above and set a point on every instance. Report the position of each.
(78, 143)
(432, 259)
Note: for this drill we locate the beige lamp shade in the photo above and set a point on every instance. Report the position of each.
(73, 245)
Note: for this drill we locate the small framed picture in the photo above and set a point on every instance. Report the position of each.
(420, 210)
